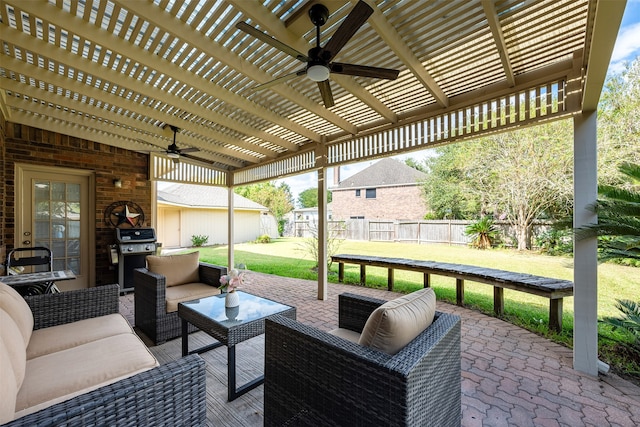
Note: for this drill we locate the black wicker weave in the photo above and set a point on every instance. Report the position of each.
(172, 394)
(151, 315)
(313, 378)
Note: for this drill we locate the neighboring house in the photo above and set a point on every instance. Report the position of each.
(388, 189)
(188, 210)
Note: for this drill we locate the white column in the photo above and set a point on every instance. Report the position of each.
(230, 231)
(585, 254)
(322, 223)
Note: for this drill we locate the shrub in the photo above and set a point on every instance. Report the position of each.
(198, 240)
(555, 242)
(265, 238)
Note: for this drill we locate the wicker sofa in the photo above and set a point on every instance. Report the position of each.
(83, 357)
(315, 378)
(167, 281)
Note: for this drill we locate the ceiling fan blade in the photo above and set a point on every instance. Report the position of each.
(280, 80)
(352, 23)
(325, 91)
(189, 150)
(243, 26)
(364, 71)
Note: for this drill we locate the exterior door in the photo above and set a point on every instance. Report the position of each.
(54, 208)
(171, 228)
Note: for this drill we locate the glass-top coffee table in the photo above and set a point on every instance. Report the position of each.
(230, 326)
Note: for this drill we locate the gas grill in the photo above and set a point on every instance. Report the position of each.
(134, 244)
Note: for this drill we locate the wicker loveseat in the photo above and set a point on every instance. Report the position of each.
(167, 281)
(315, 378)
(85, 366)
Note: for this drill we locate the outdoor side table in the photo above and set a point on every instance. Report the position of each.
(230, 326)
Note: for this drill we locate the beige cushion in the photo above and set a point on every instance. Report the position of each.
(347, 334)
(61, 337)
(177, 269)
(396, 323)
(188, 292)
(16, 350)
(15, 305)
(8, 387)
(59, 376)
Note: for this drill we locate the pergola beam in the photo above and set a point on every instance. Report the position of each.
(501, 45)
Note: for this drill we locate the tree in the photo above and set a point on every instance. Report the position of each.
(619, 124)
(444, 189)
(277, 198)
(410, 161)
(309, 198)
(525, 175)
(518, 176)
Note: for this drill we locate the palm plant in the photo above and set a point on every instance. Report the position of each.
(630, 320)
(483, 232)
(618, 218)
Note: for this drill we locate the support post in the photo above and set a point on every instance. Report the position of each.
(427, 280)
(321, 160)
(230, 223)
(390, 279)
(585, 253)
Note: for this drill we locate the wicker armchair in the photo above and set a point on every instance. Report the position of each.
(151, 315)
(171, 394)
(313, 378)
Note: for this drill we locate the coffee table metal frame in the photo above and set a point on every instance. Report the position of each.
(228, 333)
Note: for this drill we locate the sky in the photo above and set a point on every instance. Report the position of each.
(626, 49)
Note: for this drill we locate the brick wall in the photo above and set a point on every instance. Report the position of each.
(402, 202)
(25, 144)
(3, 196)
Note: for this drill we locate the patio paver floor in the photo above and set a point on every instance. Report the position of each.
(510, 376)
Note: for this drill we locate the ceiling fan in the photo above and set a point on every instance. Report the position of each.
(318, 60)
(173, 152)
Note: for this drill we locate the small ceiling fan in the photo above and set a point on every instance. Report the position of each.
(173, 152)
(318, 60)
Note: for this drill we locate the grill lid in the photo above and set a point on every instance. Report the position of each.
(141, 235)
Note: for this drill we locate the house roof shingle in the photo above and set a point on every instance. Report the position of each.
(385, 172)
(204, 196)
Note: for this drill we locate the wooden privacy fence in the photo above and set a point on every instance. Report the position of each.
(431, 231)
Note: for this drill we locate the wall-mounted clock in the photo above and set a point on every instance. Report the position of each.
(123, 214)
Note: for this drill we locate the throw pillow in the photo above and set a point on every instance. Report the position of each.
(396, 323)
(177, 269)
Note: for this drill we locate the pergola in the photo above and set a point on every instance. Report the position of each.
(119, 71)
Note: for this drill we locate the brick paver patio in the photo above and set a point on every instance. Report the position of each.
(510, 377)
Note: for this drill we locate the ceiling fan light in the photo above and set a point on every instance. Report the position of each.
(173, 155)
(318, 73)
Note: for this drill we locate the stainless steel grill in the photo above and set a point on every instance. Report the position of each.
(134, 244)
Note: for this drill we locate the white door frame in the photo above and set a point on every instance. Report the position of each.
(90, 252)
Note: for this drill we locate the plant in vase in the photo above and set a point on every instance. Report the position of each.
(229, 283)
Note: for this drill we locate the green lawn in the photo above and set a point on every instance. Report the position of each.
(286, 257)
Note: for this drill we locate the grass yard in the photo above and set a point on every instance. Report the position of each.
(287, 257)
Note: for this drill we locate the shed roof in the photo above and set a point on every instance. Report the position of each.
(204, 196)
(383, 173)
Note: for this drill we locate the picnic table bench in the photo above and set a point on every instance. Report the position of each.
(554, 289)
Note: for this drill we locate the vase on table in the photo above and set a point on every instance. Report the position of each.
(232, 299)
